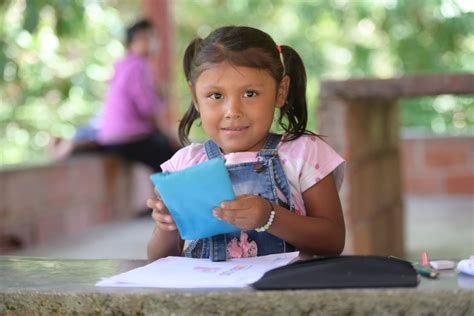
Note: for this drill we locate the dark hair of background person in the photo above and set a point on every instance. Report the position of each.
(249, 47)
(137, 27)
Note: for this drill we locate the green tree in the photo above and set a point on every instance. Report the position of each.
(341, 39)
(55, 58)
(56, 55)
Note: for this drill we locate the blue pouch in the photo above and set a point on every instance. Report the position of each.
(191, 194)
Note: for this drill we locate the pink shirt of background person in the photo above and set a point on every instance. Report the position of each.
(131, 104)
(305, 161)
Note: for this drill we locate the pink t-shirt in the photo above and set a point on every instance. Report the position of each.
(306, 160)
(131, 104)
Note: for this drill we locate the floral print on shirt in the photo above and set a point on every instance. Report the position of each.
(242, 248)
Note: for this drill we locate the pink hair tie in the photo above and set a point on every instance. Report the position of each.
(280, 52)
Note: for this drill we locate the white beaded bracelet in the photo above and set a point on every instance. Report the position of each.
(269, 222)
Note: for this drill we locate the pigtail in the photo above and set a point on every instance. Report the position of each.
(188, 58)
(191, 114)
(294, 114)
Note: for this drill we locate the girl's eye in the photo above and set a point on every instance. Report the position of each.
(215, 96)
(250, 93)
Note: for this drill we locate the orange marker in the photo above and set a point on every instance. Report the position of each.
(424, 259)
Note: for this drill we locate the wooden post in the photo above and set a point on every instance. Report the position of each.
(159, 12)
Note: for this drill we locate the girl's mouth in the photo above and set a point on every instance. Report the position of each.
(234, 130)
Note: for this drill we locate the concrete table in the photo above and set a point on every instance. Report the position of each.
(44, 286)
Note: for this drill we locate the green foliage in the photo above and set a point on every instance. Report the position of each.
(56, 55)
(441, 114)
(343, 39)
(55, 58)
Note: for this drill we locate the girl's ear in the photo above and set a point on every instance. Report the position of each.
(282, 93)
(193, 95)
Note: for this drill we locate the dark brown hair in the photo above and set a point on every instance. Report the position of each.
(249, 47)
(137, 27)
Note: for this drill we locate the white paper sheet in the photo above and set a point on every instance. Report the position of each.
(181, 272)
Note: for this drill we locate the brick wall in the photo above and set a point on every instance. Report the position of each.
(42, 203)
(438, 165)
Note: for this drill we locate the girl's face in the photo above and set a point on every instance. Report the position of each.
(237, 104)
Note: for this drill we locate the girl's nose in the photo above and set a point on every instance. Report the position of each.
(233, 108)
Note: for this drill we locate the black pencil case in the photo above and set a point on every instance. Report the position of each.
(340, 272)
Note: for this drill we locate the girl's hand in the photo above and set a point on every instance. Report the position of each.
(161, 214)
(246, 211)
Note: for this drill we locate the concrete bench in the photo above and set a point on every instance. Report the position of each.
(43, 202)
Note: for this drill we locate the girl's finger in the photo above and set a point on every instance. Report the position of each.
(217, 213)
(160, 206)
(153, 203)
(166, 227)
(150, 203)
(162, 218)
(163, 221)
(232, 205)
(157, 205)
(232, 217)
(237, 214)
(241, 202)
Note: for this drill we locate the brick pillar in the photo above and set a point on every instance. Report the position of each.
(365, 132)
(360, 120)
(159, 12)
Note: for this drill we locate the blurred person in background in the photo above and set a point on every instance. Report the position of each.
(132, 123)
(134, 118)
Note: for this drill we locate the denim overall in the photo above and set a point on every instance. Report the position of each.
(262, 177)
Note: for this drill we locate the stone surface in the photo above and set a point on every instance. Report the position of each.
(406, 86)
(45, 286)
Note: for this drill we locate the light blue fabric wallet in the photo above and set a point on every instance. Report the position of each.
(191, 194)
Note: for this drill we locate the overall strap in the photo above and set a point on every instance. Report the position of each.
(282, 182)
(268, 151)
(217, 244)
(212, 150)
(269, 148)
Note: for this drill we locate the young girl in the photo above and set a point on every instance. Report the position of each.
(285, 185)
